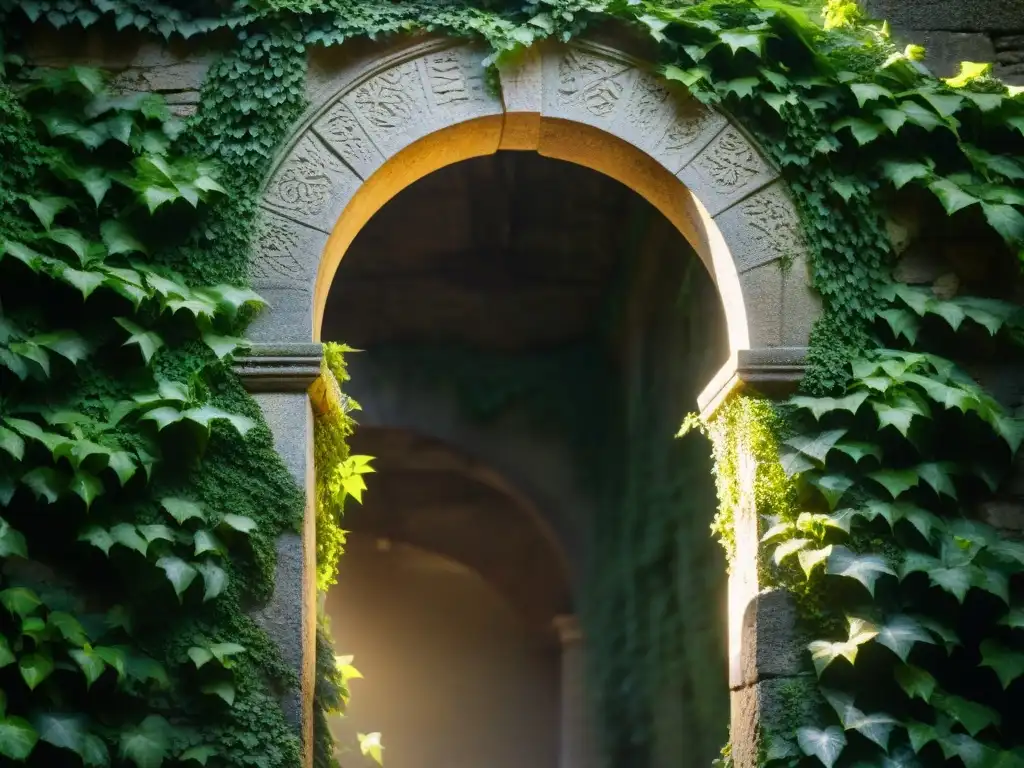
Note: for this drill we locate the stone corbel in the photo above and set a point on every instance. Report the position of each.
(280, 367)
(772, 371)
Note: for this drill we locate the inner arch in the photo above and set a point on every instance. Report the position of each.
(549, 326)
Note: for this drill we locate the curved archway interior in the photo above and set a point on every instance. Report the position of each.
(552, 328)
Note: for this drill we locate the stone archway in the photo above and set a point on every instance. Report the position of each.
(382, 121)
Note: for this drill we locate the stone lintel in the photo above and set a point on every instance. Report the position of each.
(772, 371)
(280, 367)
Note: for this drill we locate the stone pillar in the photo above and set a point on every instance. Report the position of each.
(576, 738)
(279, 377)
(768, 680)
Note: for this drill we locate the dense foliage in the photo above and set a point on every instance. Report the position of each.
(850, 118)
(132, 462)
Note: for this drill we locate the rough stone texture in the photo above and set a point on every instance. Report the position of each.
(951, 15)
(801, 304)
(289, 617)
(762, 294)
(945, 50)
(770, 646)
(774, 706)
(1010, 58)
(1007, 516)
(137, 63)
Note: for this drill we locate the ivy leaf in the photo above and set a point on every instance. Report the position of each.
(144, 669)
(12, 443)
(153, 532)
(857, 450)
(969, 71)
(900, 633)
(148, 341)
(915, 682)
(920, 115)
(957, 581)
(826, 745)
(199, 655)
(741, 39)
(370, 746)
(163, 417)
(232, 298)
(128, 536)
(1006, 220)
(98, 537)
(35, 668)
(215, 579)
(743, 87)
(866, 92)
(223, 346)
(225, 689)
(895, 481)
(178, 572)
(182, 509)
(154, 196)
(17, 738)
(114, 657)
(147, 744)
(94, 751)
(893, 118)
(788, 548)
(123, 465)
(1006, 663)
(817, 446)
(200, 754)
(6, 657)
(73, 240)
(86, 282)
(86, 486)
(864, 568)
(946, 104)
(812, 558)
(900, 415)
(207, 413)
(68, 344)
(819, 406)
(205, 541)
(876, 726)
(971, 715)
(901, 173)
(12, 542)
(953, 198)
(47, 208)
(239, 523)
(45, 482)
(119, 239)
(863, 131)
(1014, 619)
(832, 487)
(92, 666)
(68, 626)
(794, 463)
(62, 731)
(939, 631)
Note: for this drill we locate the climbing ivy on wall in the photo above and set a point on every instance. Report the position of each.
(132, 463)
(850, 119)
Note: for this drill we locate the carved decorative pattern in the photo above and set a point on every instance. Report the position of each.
(342, 131)
(448, 82)
(304, 183)
(596, 84)
(774, 226)
(274, 261)
(386, 101)
(730, 162)
(687, 128)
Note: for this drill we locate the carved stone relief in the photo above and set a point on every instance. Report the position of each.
(391, 107)
(588, 88)
(312, 185)
(340, 129)
(729, 169)
(666, 123)
(455, 81)
(763, 228)
(284, 253)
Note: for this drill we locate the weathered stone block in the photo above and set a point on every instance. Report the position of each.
(772, 706)
(586, 87)
(954, 15)
(801, 304)
(771, 646)
(762, 296)
(945, 50)
(763, 228)
(1006, 515)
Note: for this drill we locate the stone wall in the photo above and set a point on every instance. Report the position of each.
(960, 30)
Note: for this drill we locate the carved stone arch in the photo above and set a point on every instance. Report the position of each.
(379, 123)
(383, 118)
